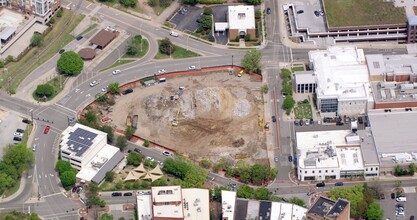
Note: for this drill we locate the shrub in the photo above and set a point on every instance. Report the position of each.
(208, 11)
(59, 13)
(146, 143)
(52, 21)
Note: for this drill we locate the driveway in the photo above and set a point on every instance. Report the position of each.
(187, 21)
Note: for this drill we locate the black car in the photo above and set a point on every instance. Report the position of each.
(322, 184)
(274, 119)
(127, 91)
(338, 184)
(17, 139)
(129, 151)
(127, 194)
(79, 37)
(61, 51)
(27, 121)
(300, 11)
(137, 150)
(392, 195)
(290, 158)
(115, 194)
(339, 123)
(301, 123)
(412, 217)
(316, 13)
(20, 130)
(268, 11)
(360, 120)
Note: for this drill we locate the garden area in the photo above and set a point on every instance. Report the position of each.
(49, 90)
(137, 48)
(303, 110)
(169, 50)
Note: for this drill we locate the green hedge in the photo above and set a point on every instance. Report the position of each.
(210, 2)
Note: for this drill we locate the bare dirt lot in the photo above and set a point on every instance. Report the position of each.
(217, 115)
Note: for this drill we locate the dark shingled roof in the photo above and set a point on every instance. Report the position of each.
(103, 38)
(87, 53)
(338, 207)
(321, 207)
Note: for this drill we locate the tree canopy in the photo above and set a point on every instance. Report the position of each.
(252, 61)
(262, 194)
(128, 3)
(114, 88)
(106, 216)
(121, 142)
(67, 179)
(134, 159)
(192, 175)
(374, 211)
(166, 46)
(44, 90)
(36, 40)
(63, 166)
(245, 191)
(70, 63)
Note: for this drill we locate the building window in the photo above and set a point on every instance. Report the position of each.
(372, 169)
(328, 105)
(332, 171)
(376, 168)
(319, 171)
(313, 171)
(366, 169)
(305, 172)
(326, 171)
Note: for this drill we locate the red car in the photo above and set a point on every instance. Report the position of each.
(46, 130)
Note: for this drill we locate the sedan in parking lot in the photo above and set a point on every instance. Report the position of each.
(20, 130)
(150, 158)
(392, 195)
(127, 194)
(94, 83)
(166, 153)
(18, 134)
(115, 194)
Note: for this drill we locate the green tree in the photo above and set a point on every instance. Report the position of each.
(247, 37)
(245, 191)
(165, 3)
(134, 159)
(90, 116)
(287, 88)
(67, 179)
(258, 14)
(9, 59)
(146, 143)
(129, 131)
(243, 170)
(121, 142)
(355, 195)
(289, 103)
(166, 46)
(206, 23)
(44, 90)
(36, 40)
(63, 166)
(110, 176)
(59, 13)
(6, 182)
(397, 170)
(190, 2)
(205, 163)
(297, 201)
(70, 63)
(262, 194)
(102, 203)
(192, 175)
(412, 169)
(132, 50)
(102, 98)
(18, 156)
(374, 211)
(110, 133)
(91, 193)
(106, 216)
(285, 74)
(264, 89)
(52, 21)
(273, 172)
(208, 11)
(160, 182)
(254, 2)
(114, 88)
(252, 60)
(128, 3)
(2, 63)
(259, 173)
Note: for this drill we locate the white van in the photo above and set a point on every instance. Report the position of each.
(401, 199)
(174, 34)
(161, 80)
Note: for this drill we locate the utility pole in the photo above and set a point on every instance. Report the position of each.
(232, 62)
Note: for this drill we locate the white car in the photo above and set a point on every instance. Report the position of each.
(115, 72)
(94, 83)
(191, 68)
(174, 34)
(18, 134)
(104, 89)
(162, 71)
(166, 153)
(150, 158)
(34, 147)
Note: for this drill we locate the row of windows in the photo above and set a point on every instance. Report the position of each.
(326, 171)
(328, 105)
(372, 169)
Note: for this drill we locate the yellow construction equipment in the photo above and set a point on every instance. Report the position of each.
(129, 121)
(260, 120)
(175, 121)
(241, 73)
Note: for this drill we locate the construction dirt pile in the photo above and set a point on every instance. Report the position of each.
(204, 116)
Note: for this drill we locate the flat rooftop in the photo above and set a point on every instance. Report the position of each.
(396, 128)
(241, 17)
(287, 211)
(144, 207)
(368, 148)
(321, 207)
(197, 201)
(228, 204)
(167, 195)
(79, 139)
(9, 18)
(308, 20)
(369, 12)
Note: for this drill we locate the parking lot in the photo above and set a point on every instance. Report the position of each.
(388, 205)
(307, 19)
(220, 15)
(187, 21)
(9, 122)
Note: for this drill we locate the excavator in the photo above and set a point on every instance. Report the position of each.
(175, 121)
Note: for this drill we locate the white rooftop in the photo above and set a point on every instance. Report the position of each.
(228, 204)
(287, 211)
(325, 149)
(88, 172)
(341, 72)
(241, 17)
(144, 207)
(197, 201)
(169, 195)
(305, 77)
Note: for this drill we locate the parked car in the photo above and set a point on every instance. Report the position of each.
(137, 150)
(94, 83)
(322, 184)
(20, 130)
(274, 119)
(46, 130)
(233, 185)
(392, 195)
(338, 184)
(191, 68)
(129, 151)
(316, 13)
(162, 71)
(150, 158)
(79, 37)
(290, 158)
(174, 34)
(276, 159)
(166, 153)
(360, 120)
(412, 217)
(268, 11)
(401, 199)
(104, 89)
(301, 123)
(116, 194)
(300, 11)
(309, 193)
(61, 51)
(26, 121)
(382, 196)
(18, 134)
(17, 139)
(307, 122)
(127, 194)
(115, 72)
(127, 91)
(34, 147)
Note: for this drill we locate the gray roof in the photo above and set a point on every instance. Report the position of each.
(80, 140)
(338, 207)
(321, 207)
(376, 65)
(241, 208)
(304, 77)
(395, 131)
(108, 166)
(412, 20)
(7, 32)
(265, 210)
(368, 149)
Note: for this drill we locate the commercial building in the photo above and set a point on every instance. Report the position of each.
(241, 22)
(333, 155)
(43, 9)
(327, 209)
(238, 208)
(86, 149)
(172, 202)
(305, 82)
(103, 38)
(342, 81)
(394, 133)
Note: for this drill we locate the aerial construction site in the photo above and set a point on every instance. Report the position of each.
(203, 116)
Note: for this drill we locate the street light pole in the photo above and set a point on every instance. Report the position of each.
(232, 62)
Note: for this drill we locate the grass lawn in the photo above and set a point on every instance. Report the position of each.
(91, 27)
(118, 63)
(141, 53)
(297, 68)
(55, 83)
(303, 111)
(180, 53)
(27, 133)
(53, 42)
(11, 191)
(342, 13)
